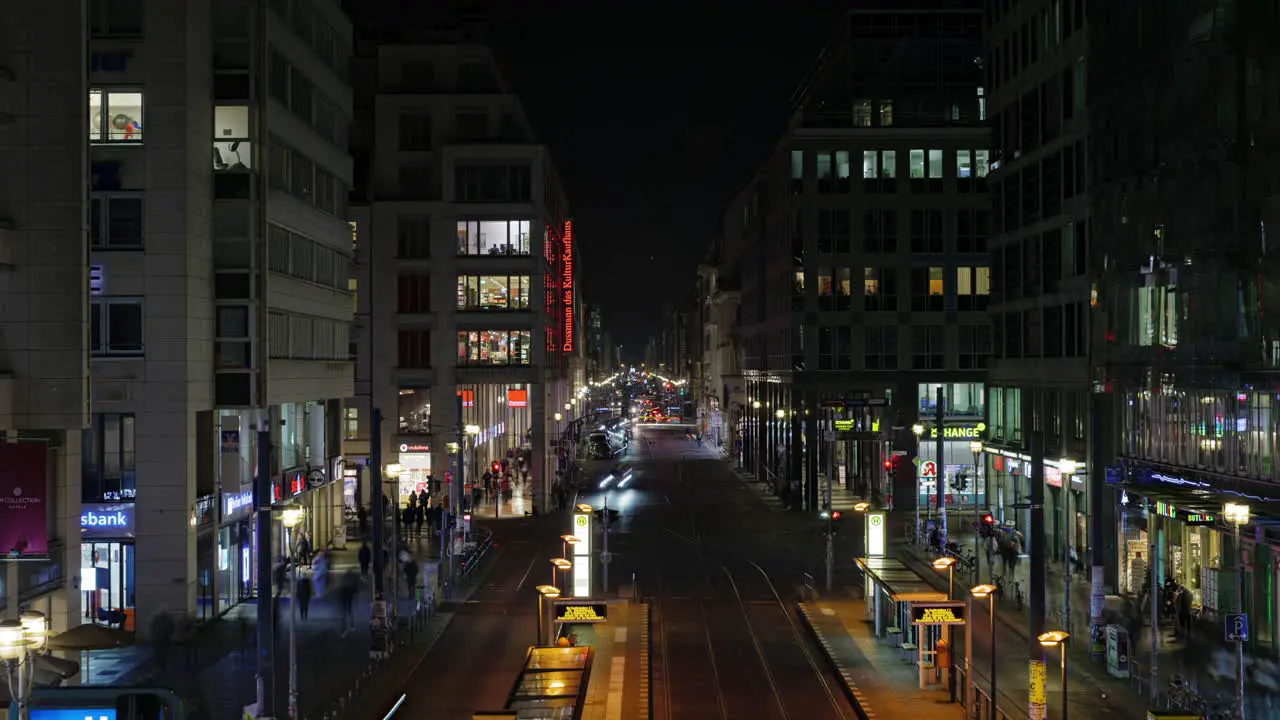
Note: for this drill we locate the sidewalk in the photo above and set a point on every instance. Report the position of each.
(618, 688)
(493, 507)
(216, 676)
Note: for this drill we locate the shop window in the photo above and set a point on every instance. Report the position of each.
(116, 327)
(493, 292)
(109, 567)
(115, 221)
(115, 116)
(493, 237)
(494, 347)
(108, 459)
(414, 410)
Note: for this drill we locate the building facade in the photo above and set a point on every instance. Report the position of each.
(1040, 369)
(870, 289)
(467, 266)
(218, 255)
(44, 363)
(1185, 330)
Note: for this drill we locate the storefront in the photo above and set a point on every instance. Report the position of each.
(311, 488)
(414, 459)
(237, 571)
(963, 470)
(1066, 508)
(107, 563)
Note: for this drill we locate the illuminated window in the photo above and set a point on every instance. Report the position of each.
(935, 164)
(981, 163)
(493, 237)
(115, 116)
(917, 164)
(495, 347)
(964, 164)
(886, 113)
(879, 290)
(862, 113)
(798, 282)
(351, 423)
(824, 166)
(869, 164)
(871, 282)
(797, 164)
(888, 163)
(927, 289)
(414, 410)
(824, 282)
(493, 292)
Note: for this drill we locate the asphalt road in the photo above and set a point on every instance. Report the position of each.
(477, 658)
(721, 571)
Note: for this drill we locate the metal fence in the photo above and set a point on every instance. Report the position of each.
(1008, 708)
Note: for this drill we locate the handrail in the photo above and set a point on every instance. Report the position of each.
(482, 547)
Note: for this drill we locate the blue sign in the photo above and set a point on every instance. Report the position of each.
(1113, 475)
(230, 441)
(1237, 627)
(39, 713)
(106, 521)
(233, 503)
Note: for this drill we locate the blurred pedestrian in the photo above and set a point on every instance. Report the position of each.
(420, 518)
(411, 576)
(304, 593)
(350, 585)
(366, 557)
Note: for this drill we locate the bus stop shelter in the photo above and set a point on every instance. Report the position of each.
(892, 589)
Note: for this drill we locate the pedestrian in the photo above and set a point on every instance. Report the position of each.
(347, 598)
(411, 576)
(420, 518)
(366, 557)
(362, 517)
(304, 591)
(406, 519)
(304, 551)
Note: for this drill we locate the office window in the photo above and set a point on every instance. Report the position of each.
(115, 18)
(982, 104)
(972, 230)
(974, 345)
(493, 237)
(493, 292)
(842, 166)
(833, 231)
(869, 165)
(413, 237)
(981, 163)
(927, 349)
(886, 113)
(115, 116)
(862, 113)
(880, 231)
(917, 164)
(414, 410)
(879, 290)
(413, 293)
(880, 347)
(115, 327)
(926, 231)
(498, 182)
(935, 164)
(495, 347)
(824, 284)
(964, 164)
(844, 288)
(413, 349)
(115, 221)
(927, 289)
(973, 288)
(109, 458)
(232, 321)
(889, 164)
(350, 423)
(415, 131)
(797, 164)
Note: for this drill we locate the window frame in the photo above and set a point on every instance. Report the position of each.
(103, 200)
(469, 351)
(465, 286)
(100, 15)
(99, 310)
(104, 93)
(469, 229)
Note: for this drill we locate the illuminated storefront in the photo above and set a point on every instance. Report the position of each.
(107, 568)
(414, 459)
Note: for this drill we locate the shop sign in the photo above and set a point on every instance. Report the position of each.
(845, 425)
(24, 521)
(233, 503)
(468, 398)
(1052, 476)
(415, 447)
(566, 287)
(517, 398)
(937, 614)
(107, 520)
(1168, 510)
(1197, 519)
(316, 477)
(928, 470)
(582, 613)
(974, 431)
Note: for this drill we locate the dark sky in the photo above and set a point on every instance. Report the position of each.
(657, 113)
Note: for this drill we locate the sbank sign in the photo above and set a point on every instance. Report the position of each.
(960, 432)
(113, 520)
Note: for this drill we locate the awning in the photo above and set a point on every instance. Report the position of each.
(900, 582)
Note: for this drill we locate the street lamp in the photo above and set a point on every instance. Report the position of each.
(1068, 468)
(567, 406)
(918, 430)
(545, 592)
(947, 563)
(20, 641)
(780, 413)
(988, 593)
(557, 417)
(1058, 639)
(292, 517)
(566, 541)
(975, 446)
(755, 404)
(1238, 514)
(560, 565)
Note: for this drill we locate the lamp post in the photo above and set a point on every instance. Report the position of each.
(975, 446)
(559, 565)
(1058, 639)
(21, 641)
(862, 508)
(1237, 514)
(756, 434)
(1067, 468)
(566, 541)
(291, 517)
(947, 563)
(988, 593)
(918, 430)
(545, 592)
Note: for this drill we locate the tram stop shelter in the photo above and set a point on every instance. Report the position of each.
(553, 683)
(892, 591)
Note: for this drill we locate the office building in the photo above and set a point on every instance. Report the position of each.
(466, 264)
(1040, 368)
(218, 266)
(870, 289)
(44, 326)
(1186, 336)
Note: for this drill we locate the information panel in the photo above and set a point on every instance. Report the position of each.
(582, 612)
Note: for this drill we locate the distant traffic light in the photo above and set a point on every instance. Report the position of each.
(988, 519)
(835, 514)
(496, 467)
(888, 464)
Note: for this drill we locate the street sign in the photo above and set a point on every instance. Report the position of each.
(1237, 627)
(928, 470)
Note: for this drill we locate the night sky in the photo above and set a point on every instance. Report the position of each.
(657, 114)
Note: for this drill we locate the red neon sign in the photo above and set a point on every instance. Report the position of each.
(549, 292)
(566, 286)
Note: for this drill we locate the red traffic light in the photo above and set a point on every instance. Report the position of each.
(497, 467)
(888, 464)
(835, 514)
(988, 519)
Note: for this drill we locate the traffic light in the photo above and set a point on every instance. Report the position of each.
(496, 467)
(888, 464)
(987, 527)
(835, 514)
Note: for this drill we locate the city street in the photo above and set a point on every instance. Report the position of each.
(721, 572)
